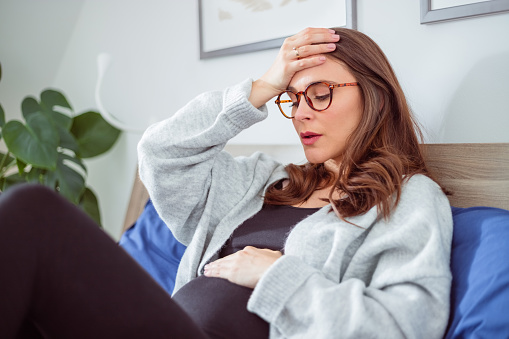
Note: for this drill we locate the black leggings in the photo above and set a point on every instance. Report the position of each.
(64, 277)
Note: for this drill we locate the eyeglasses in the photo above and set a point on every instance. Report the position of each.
(318, 96)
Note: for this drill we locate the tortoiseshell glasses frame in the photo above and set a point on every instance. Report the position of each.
(297, 96)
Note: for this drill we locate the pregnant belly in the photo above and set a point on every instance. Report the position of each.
(219, 307)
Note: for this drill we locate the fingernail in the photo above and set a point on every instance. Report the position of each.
(331, 46)
(322, 58)
(335, 36)
(332, 31)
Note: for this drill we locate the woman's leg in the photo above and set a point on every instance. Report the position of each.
(66, 276)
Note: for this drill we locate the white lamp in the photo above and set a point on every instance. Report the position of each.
(103, 62)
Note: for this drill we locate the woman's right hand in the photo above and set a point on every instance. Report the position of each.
(300, 51)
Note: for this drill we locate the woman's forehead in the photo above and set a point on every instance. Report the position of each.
(330, 71)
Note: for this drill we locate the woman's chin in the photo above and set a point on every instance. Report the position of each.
(315, 158)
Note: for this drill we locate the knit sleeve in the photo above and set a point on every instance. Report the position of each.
(396, 285)
(182, 157)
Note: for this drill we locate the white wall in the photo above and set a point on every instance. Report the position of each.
(455, 74)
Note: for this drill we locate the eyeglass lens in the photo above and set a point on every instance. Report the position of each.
(318, 96)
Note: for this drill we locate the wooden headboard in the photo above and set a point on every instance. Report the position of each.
(476, 174)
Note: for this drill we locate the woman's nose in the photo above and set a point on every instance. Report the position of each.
(303, 111)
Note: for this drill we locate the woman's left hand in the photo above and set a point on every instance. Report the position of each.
(244, 267)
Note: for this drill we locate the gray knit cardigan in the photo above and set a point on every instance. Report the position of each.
(383, 279)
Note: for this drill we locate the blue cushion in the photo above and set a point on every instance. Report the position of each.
(480, 268)
(150, 242)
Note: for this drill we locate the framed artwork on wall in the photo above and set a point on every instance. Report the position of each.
(240, 26)
(443, 10)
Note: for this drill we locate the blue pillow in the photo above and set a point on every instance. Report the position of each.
(150, 242)
(480, 268)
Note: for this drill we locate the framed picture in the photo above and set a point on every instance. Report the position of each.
(442, 10)
(239, 26)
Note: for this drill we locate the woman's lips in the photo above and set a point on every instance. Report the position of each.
(309, 138)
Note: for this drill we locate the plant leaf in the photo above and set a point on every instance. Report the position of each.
(76, 161)
(50, 179)
(67, 139)
(93, 134)
(21, 166)
(12, 180)
(2, 116)
(70, 183)
(6, 161)
(36, 143)
(58, 119)
(36, 175)
(89, 204)
(51, 98)
(29, 105)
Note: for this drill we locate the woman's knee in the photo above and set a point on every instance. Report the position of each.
(30, 204)
(22, 196)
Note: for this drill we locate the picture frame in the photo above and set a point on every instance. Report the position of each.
(234, 37)
(460, 9)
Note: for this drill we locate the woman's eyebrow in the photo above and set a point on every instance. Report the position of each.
(330, 82)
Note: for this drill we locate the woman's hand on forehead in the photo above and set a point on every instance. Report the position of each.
(303, 50)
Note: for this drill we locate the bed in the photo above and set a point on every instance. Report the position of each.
(477, 176)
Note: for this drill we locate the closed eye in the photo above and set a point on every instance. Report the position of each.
(322, 97)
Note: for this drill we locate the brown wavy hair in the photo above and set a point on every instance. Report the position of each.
(382, 152)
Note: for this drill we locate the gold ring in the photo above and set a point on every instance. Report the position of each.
(296, 50)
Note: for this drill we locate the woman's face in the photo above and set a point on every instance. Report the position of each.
(323, 134)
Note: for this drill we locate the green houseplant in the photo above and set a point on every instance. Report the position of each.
(49, 147)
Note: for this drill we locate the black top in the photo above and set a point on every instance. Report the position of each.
(267, 229)
(218, 306)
